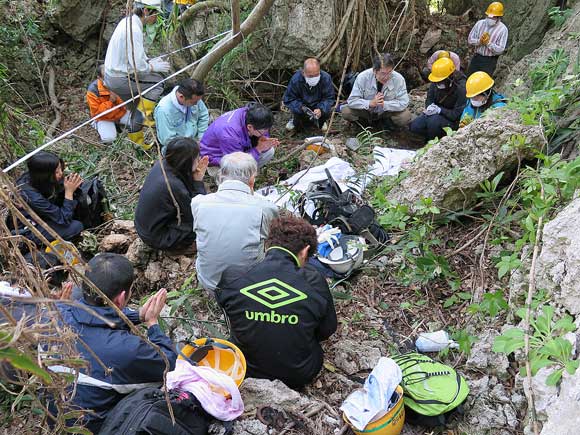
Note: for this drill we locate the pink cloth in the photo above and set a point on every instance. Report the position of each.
(203, 382)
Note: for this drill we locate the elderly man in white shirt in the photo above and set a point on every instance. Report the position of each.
(379, 95)
(126, 59)
(232, 224)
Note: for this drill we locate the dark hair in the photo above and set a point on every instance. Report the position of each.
(101, 70)
(180, 154)
(139, 11)
(292, 233)
(190, 87)
(383, 60)
(41, 169)
(259, 116)
(111, 273)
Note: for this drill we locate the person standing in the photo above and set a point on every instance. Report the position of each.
(379, 94)
(310, 97)
(489, 37)
(182, 113)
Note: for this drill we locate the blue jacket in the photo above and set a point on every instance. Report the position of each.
(470, 113)
(134, 363)
(174, 120)
(54, 210)
(299, 94)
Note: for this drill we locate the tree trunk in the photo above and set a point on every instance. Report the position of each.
(231, 41)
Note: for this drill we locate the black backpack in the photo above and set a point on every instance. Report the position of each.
(341, 209)
(145, 412)
(93, 206)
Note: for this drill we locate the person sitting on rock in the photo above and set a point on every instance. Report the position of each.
(232, 224)
(129, 71)
(379, 96)
(489, 38)
(280, 309)
(310, 97)
(100, 99)
(445, 101)
(182, 113)
(42, 188)
(440, 54)
(479, 90)
(119, 362)
(163, 216)
(245, 129)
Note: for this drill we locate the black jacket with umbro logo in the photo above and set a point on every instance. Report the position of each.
(279, 313)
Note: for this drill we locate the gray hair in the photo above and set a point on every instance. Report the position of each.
(237, 166)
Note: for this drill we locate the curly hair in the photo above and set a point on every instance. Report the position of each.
(292, 233)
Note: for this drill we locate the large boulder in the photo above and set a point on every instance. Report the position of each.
(451, 170)
(562, 415)
(558, 267)
(78, 18)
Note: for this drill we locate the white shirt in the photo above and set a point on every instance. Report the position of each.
(498, 36)
(119, 57)
(364, 90)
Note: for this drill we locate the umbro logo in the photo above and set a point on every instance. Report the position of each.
(273, 293)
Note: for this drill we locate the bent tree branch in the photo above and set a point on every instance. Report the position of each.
(230, 42)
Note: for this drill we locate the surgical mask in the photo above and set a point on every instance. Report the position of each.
(477, 103)
(312, 81)
(491, 21)
(441, 85)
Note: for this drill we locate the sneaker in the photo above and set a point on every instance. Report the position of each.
(290, 125)
(324, 126)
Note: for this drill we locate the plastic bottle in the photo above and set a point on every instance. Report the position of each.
(434, 341)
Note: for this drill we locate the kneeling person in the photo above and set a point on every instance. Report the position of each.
(310, 97)
(281, 308)
(479, 90)
(445, 101)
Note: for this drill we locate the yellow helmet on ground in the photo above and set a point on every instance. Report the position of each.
(477, 83)
(221, 355)
(442, 68)
(495, 9)
(389, 424)
(443, 55)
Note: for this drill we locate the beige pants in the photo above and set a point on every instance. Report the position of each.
(400, 119)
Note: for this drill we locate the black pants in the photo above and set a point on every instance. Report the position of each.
(482, 63)
(431, 127)
(302, 121)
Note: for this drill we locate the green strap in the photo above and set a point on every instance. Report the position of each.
(288, 252)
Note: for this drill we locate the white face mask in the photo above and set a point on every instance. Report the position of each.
(312, 81)
(491, 21)
(441, 86)
(477, 103)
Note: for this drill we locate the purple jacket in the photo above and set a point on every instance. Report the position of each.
(227, 134)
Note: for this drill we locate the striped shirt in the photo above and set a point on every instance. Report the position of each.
(498, 36)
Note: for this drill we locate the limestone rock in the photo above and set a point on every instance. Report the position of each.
(114, 243)
(563, 414)
(78, 18)
(558, 267)
(451, 170)
(123, 226)
(482, 357)
(154, 272)
(258, 392)
(139, 253)
(353, 357)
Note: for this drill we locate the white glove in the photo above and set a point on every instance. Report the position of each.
(432, 109)
(159, 65)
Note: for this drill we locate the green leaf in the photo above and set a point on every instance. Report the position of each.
(572, 366)
(565, 324)
(553, 379)
(466, 296)
(24, 362)
(450, 301)
(509, 341)
(78, 429)
(537, 364)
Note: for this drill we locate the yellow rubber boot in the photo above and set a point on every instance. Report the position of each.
(146, 107)
(139, 138)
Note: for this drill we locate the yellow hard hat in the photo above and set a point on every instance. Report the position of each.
(221, 355)
(477, 83)
(442, 68)
(389, 424)
(443, 55)
(495, 9)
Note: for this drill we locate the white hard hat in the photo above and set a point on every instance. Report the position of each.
(152, 3)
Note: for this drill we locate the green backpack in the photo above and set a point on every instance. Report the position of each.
(430, 388)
